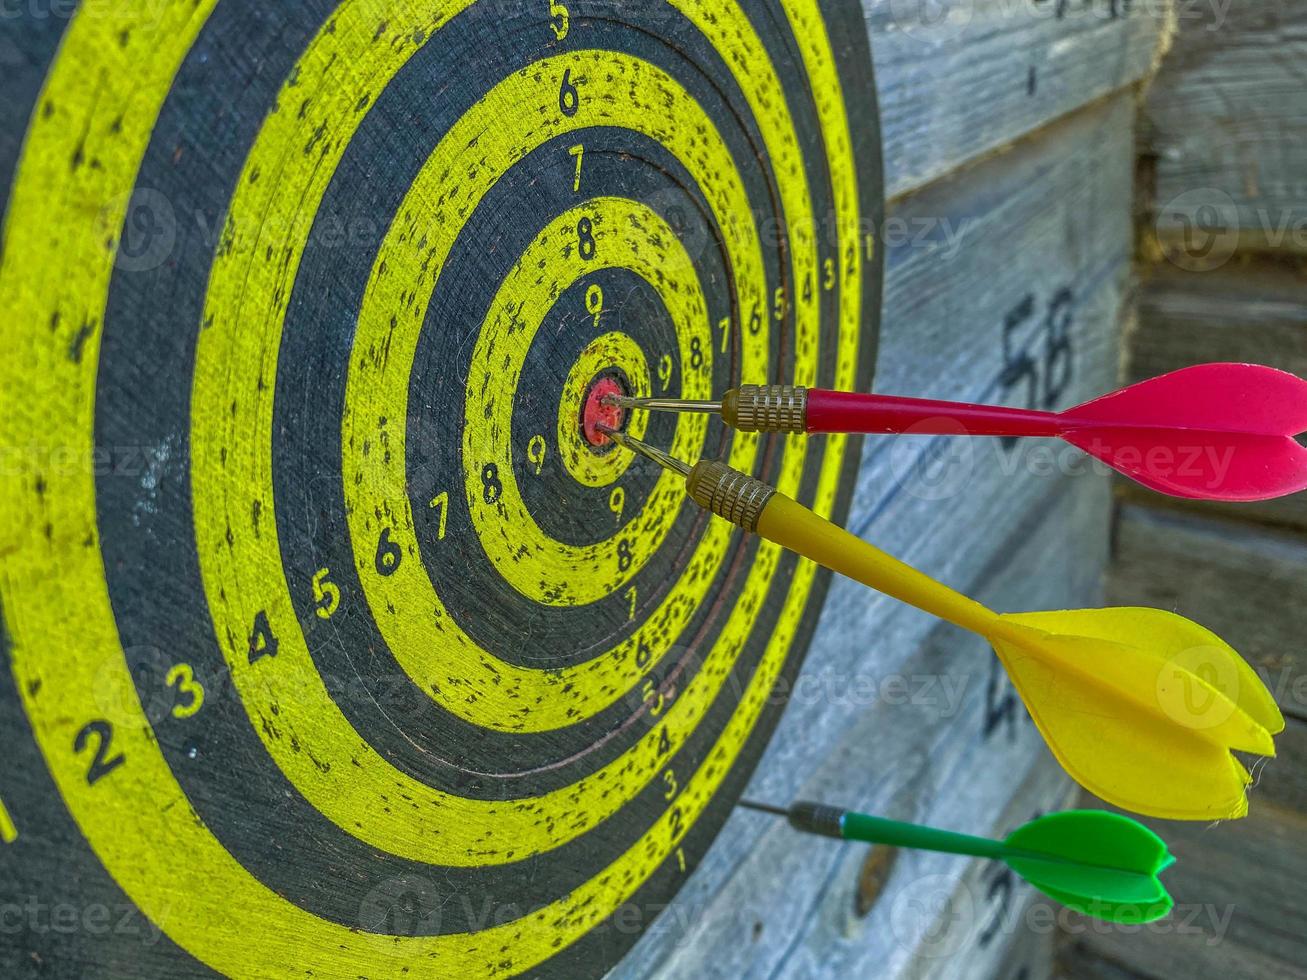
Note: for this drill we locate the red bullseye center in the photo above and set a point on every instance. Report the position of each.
(596, 411)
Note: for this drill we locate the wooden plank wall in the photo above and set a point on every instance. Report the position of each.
(1223, 247)
(1009, 148)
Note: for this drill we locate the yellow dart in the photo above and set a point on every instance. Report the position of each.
(1142, 707)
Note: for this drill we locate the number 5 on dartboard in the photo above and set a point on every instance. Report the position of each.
(326, 594)
(559, 19)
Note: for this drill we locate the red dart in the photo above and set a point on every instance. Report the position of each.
(1211, 432)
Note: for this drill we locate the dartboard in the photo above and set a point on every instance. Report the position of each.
(338, 639)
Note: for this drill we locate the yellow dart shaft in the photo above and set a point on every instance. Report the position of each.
(791, 525)
(757, 507)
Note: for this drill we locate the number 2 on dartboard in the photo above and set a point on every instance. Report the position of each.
(101, 733)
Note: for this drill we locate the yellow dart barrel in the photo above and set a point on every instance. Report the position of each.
(757, 507)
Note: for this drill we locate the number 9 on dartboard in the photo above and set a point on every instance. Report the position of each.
(338, 640)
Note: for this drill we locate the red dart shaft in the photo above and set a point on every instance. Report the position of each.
(845, 411)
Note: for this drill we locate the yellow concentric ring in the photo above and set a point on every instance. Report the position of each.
(604, 353)
(627, 235)
(613, 89)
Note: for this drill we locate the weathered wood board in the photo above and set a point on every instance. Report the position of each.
(1224, 132)
(1238, 893)
(1223, 231)
(965, 78)
(1253, 309)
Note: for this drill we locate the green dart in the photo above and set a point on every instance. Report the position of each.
(1102, 864)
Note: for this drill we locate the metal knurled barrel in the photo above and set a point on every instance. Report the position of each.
(728, 493)
(767, 408)
(817, 818)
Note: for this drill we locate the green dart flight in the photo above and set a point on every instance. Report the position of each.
(1102, 864)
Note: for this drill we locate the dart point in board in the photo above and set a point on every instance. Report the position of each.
(1211, 432)
(602, 409)
(1111, 690)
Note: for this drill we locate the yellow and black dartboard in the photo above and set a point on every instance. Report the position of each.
(336, 641)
